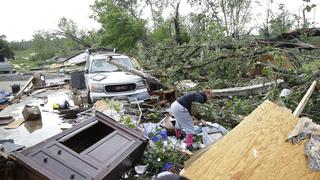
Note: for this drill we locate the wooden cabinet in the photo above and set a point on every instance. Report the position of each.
(98, 148)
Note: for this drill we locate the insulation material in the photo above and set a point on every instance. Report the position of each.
(306, 129)
(303, 130)
(255, 149)
(312, 150)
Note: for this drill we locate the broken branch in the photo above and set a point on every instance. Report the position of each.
(305, 99)
(296, 34)
(133, 71)
(281, 44)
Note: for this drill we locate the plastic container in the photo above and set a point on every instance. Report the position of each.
(15, 88)
(213, 133)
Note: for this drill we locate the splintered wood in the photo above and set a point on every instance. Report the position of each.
(255, 149)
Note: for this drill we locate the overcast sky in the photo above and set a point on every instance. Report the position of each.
(21, 18)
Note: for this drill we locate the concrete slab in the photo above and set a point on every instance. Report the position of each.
(33, 132)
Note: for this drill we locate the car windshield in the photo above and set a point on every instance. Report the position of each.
(101, 65)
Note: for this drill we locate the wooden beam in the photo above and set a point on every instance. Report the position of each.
(305, 99)
(19, 94)
(243, 91)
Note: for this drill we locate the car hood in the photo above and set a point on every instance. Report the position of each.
(113, 78)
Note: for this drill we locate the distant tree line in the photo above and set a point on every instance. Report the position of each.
(5, 49)
(124, 26)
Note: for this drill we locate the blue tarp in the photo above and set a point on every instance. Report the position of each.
(4, 96)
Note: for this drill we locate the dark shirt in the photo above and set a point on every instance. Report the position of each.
(186, 100)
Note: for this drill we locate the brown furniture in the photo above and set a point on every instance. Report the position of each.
(98, 148)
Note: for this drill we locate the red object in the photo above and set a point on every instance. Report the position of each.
(189, 140)
(178, 133)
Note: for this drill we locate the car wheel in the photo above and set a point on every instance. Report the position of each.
(89, 99)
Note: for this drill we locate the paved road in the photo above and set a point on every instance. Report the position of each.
(7, 80)
(24, 77)
(6, 85)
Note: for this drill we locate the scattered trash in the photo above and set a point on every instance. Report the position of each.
(61, 100)
(6, 120)
(6, 140)
(185, 85)
(80, 100)
(77, 80)
(303, 130)
(165, 152)
(63, 105)
(167, 122)
(39, 91)
(285, 92)
(43, 80)
(306, 129)
(167, 167)
(213, 133)
(9, 147)
(72, 113)
(167, 175)
(61, 72)
(110, 108)
(4, 97)
(31, 113)
(15, 124)
(64, 126)
(312, 150)
(2, 107)
(141, 169)
(155, 132)
(165, 96)
(15, 88)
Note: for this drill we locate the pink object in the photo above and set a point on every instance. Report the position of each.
(189, 140)
(178, 133)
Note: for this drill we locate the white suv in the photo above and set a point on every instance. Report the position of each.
(106, 80)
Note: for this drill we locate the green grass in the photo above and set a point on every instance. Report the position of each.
(314, 65)
(23, 60)
(23, 53)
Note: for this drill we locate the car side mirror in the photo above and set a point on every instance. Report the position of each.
(86, 71)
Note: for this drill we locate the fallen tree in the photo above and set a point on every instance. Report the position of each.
(282, 44)
(247, 90)
(133, 71)
(297, 34)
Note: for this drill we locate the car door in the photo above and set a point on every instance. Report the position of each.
(86, 73)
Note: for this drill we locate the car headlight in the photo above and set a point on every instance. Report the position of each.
(141, 84)
(96, 87)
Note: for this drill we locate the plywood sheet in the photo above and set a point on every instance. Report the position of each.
(15, 124)
(255, 149)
